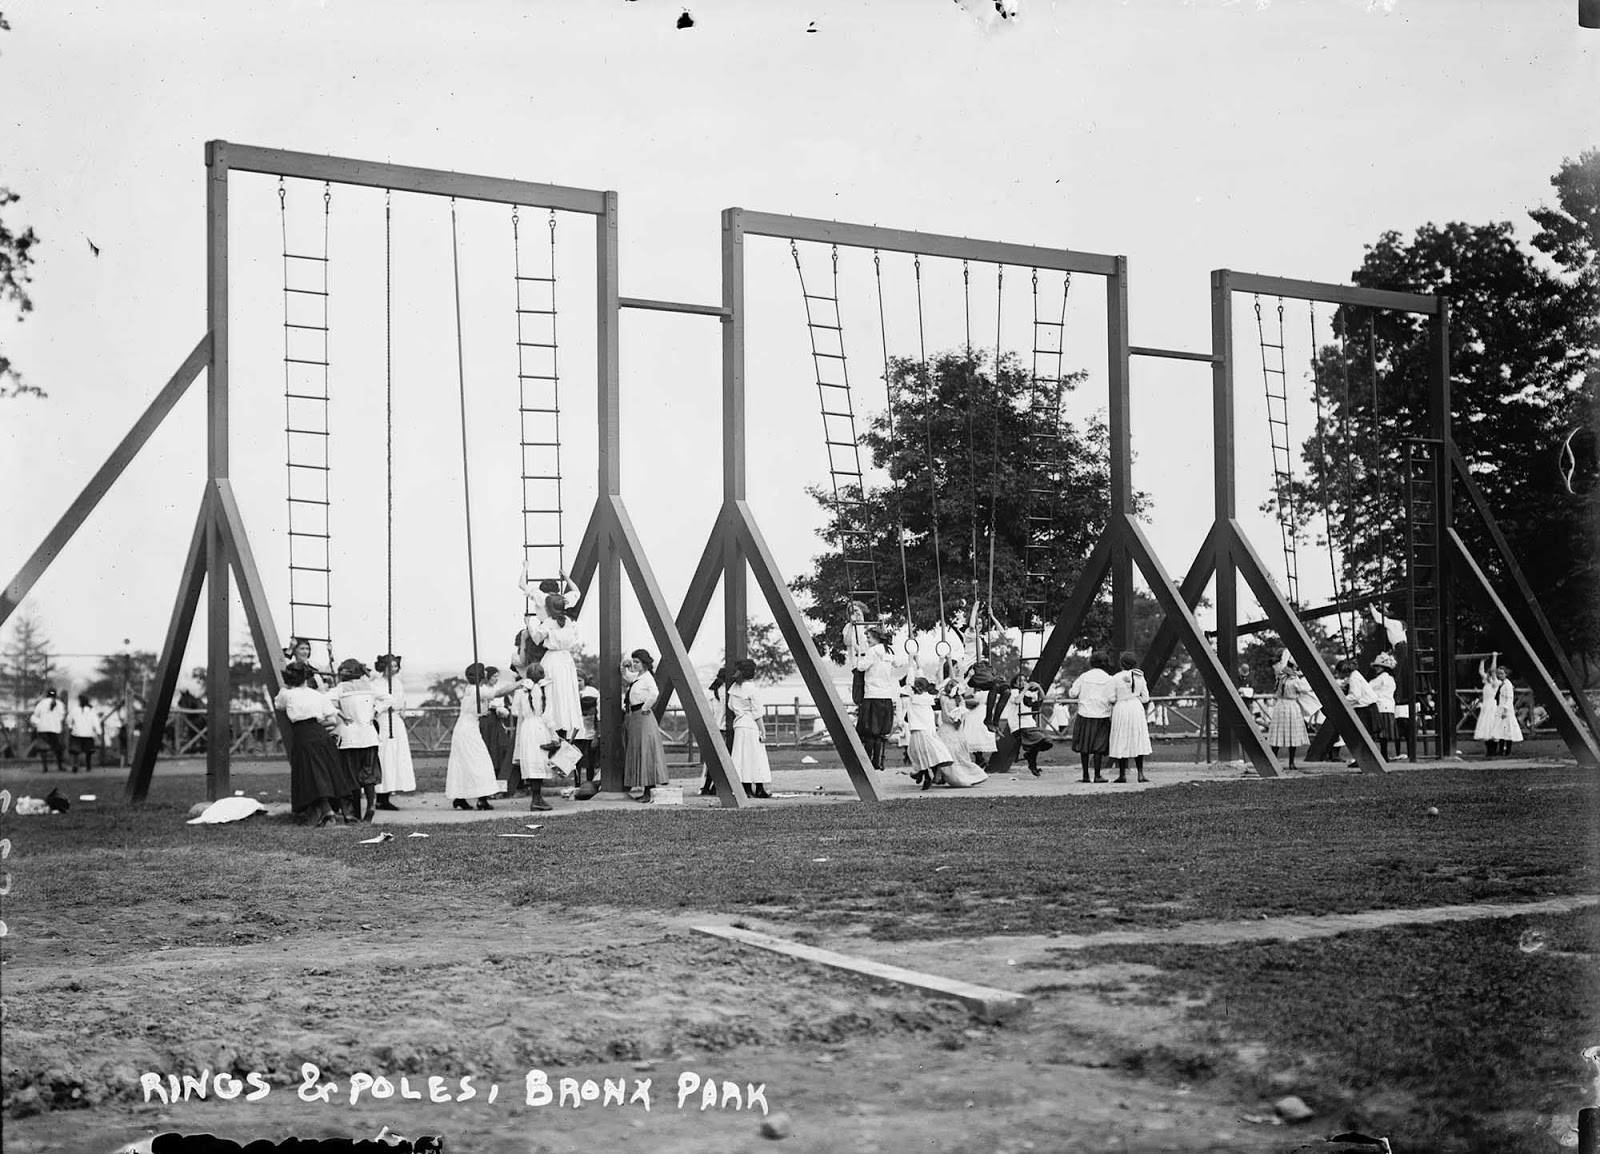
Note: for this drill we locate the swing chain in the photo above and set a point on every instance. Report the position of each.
(282, 194)
(327, 196)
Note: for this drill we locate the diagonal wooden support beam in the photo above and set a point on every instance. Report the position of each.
(1577, 736)
(157, 706)
(1295, 638)
(1550, 651)
(1231, 708)
(1070, 620)
(1165, 642)
(127, 448)
(674, 654)
(795, 634)
(257, 608)
(587, 559)
(698, 598)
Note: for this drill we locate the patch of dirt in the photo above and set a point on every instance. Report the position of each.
(353, 983)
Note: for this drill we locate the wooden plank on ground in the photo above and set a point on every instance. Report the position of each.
(987, 1003)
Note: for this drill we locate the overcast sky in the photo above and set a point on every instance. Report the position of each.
(1274, 137)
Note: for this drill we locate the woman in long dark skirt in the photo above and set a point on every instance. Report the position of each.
(319, 783)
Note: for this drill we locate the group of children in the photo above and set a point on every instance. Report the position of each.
(1111, 721)
(1372, 700)
(77, 731)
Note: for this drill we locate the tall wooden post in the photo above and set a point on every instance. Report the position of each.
(1120, 420)
(609, 407)
(735, 593)
(1224, 499)
(219, 691)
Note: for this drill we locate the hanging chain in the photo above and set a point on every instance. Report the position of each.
(388, 444)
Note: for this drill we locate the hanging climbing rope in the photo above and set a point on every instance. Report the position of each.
(994, 439)
(1322, 475)
(388, 450)
(941, 647)
(307, 431)
(832, 369)
(466, 484)
(538, 412)
(899, 502)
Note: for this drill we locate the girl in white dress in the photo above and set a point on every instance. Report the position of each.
(1488, 711)
(1382, 683)
(1130, 732)
(557, 631)
(962, 770)
(394, 744)
(745, 709)
(978, 736)
(929, 755)
(470, 772)
(533, 733)
(1286, 728)
(1506, 729)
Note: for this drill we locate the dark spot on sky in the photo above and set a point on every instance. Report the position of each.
(686, 20)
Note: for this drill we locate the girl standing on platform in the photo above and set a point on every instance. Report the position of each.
(469, 774)
(357, 703)
(745, 711)
(83, 723)
(1506, 729)
(533, 733)
(644, 756)
(1382, 683)
(880, 689)
(1091, 728)
(394, 744)
(929, 755)
(318, 781)
(1286, 728)
(1130, 732)
(1488, 707)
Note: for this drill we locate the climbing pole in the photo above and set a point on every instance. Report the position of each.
(832, 369)
(307, 430)
(538, 409)
(1046, 466)
(1277, 391)
(889, 417)
(1323, 466)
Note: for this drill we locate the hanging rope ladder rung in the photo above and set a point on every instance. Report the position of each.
(539, 411)
(307, 430)
(845, 475)
(1276, 386)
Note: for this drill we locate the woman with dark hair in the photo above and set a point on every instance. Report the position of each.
(644, 763)
(318, 781)
(880, 690)
(469, 774)
(1130, 732)
(1091, 727)
(745, 709)
(298, 651)
(394, 745)
(554, 629)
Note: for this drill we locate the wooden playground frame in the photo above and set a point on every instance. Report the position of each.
(220, 549)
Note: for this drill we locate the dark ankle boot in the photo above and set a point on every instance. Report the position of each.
(749, 791)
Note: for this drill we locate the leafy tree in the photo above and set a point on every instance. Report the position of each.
(16, 260)
(972, 418)
(25, 662)
(247, 681)
(446, 690)
(1525, 342)
(765, 646)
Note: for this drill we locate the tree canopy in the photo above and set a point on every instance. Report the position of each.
(16, 261)
(959, 445)
(1524, 352)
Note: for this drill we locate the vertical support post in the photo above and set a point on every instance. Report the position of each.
(735, 593)
(218, 690)
(609, 408)
(1444, 522)
(1120, 419)
(1224, 498)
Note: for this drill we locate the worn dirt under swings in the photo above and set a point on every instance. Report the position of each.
(594, 994)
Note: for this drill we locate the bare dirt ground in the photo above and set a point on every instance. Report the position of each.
(591, 995)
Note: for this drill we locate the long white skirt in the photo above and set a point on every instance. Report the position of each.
(979, 737)
(1506, 727)
(962, 770)
(1488, 717)
(563, 709)
(750, 757)
(927, 751)
(470, 772)
(394, 756)
(1130, 733)
(533, 763)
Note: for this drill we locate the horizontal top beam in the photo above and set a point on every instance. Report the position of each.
(921, 243)
(1310, 290)
(403, 178)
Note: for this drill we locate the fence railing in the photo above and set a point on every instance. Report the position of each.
(794, 724)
